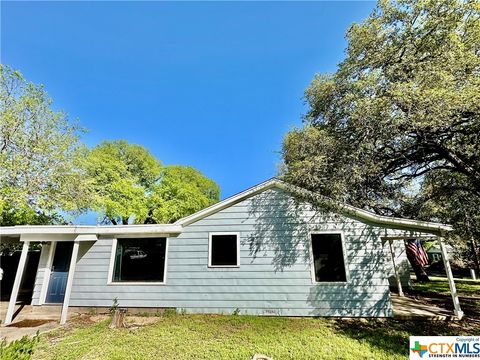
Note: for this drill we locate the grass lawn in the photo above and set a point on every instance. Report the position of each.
(465, 287)
(179, 336)
(239, 337)
(437, 292)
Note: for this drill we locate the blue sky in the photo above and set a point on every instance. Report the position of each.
(214, 85)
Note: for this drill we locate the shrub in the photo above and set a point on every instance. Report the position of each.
(21, 349)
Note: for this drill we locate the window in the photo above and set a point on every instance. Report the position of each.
(140, 260)
(328, 260)
(224, 250)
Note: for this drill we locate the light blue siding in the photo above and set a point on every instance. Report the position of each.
(274, 277)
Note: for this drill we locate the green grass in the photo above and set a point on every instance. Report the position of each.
(439, 285)
(438, 289)
(238, 337)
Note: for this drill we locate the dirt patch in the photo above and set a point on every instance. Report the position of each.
(98, 318)
(141, 320)
(29, 323)
(135, 322)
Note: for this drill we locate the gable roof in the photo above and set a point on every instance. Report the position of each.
(367, 216)
(176, 228)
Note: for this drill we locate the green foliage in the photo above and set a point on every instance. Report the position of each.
(21, 349)
(181, 191)
(39, 155)
(114, 306)
(130, 185)
(396, 129)
(122, 175)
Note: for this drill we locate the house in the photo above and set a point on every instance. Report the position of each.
(434, 253)
(261, 252)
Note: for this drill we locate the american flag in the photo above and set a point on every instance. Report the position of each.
(416, 252)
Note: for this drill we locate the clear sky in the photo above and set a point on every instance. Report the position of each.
(214, 85)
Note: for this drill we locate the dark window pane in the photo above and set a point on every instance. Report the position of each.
(224, 250)
(140, 259)
(328, 260)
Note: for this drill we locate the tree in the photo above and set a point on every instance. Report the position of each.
(39, 155)
(122, 176)
(400, 115)
(130, 185)
(181, 191)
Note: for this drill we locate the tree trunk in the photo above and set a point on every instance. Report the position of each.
(476, 258)
(118, 319)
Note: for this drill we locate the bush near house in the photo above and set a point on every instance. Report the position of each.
(21, 349)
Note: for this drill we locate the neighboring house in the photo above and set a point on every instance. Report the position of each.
(259, 252)
(435, 253)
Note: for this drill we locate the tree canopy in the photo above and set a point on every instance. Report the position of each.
(181, 191)
(46, 172)
(396, 128)
(131, 186)
(39, 155)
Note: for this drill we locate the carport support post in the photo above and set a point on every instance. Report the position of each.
(451, 283)
(68, 290)
(17, 283)
(397, 275)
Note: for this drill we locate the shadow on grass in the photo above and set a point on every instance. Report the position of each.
(436, 292)
(387, 335)
(393, 335)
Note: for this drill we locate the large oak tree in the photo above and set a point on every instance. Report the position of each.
(396, 129)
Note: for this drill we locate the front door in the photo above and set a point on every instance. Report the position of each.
(59, 272)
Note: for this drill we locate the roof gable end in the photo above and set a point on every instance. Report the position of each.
(367, 216)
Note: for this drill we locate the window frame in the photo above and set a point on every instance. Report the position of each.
(134, 283)
(210, 234)
(344, 252)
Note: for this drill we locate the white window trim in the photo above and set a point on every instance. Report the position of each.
(345, 259)
(134, 283)
(237, 234)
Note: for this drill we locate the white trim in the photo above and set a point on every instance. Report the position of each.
(165, 229)
(395, 270)
(451, 282)
(228, 202)
(210, 234)
(344, 252)
(16, 283)
(353, 211)
(111, 266)
(46, 273)
(71, 274)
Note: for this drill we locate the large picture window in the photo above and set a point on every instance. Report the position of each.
(140, 260)
(224, 250)
(328, 259)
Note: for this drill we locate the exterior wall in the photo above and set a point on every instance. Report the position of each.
(274, 277)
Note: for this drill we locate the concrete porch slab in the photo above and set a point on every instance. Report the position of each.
(407, 308)
(28, 320)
